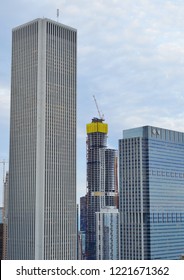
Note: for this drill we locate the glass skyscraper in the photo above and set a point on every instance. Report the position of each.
(107, 234)
(151, 164)
(42, 171)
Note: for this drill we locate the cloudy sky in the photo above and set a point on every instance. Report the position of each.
(130, 56)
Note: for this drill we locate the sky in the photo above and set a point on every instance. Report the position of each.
(130, 56)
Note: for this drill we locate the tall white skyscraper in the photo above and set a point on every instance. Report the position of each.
(42, 171)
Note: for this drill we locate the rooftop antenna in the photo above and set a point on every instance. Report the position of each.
(100, 115)
(57, 15)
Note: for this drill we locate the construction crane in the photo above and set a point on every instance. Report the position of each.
(100, 115)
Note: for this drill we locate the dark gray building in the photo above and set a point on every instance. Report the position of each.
(83, 212)
(102, 189)
(96, 140)
(1, 232)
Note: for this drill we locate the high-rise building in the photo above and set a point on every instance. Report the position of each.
(96, 140)
(108, 177)
(101, 179)
(5, 216)
(151, 163)
(83, 211)
(1, 232)
(107, 234)
(42, 169)
(81, 245)
(83, 225)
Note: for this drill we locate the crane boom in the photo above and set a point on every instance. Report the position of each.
(101, 116)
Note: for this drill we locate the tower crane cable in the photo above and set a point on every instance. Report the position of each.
(100, 115)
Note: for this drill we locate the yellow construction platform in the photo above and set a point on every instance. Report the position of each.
(97, 127)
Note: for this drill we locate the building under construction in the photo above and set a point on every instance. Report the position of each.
(102, 188)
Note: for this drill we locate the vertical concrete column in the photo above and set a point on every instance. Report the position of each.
(40, 153)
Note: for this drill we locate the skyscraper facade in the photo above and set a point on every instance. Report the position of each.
(107, 234)
(42, 170)
(109, 177)
(83, 225)
(83, 210)
(101, 180)
(1, 232)
(151, 162)
(96, 140)
(5, 216)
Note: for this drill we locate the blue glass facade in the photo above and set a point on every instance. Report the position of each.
(152, 193)
(107, 234)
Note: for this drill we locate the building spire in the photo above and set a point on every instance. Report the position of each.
(57, 15)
